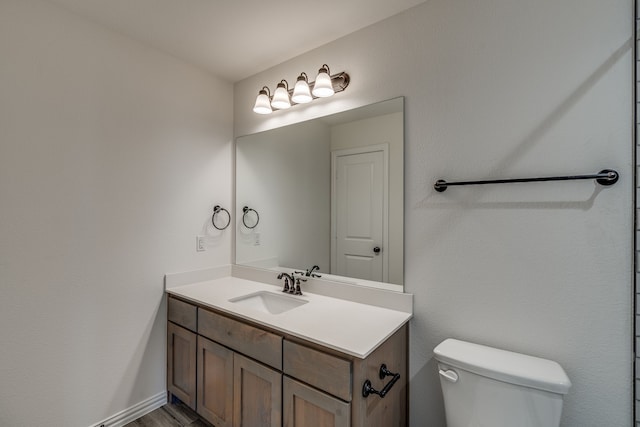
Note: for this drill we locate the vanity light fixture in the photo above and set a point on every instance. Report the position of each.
(303, 92)
(281, 99)
(323, 87)
(263, 101)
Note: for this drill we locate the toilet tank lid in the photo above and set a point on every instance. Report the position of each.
(502, 365)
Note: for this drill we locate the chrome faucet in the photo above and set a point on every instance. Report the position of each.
(288, 278)
(292, 282)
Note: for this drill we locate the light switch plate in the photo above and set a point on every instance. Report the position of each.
(201, 244)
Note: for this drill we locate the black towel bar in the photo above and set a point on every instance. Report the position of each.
(604, 177)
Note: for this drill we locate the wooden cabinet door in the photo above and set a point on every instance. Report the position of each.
(372, 411)
(181, 364)
(307, 407)
(215, 383)
(257, 392)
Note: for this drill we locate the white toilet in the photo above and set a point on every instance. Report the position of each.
(487, 387)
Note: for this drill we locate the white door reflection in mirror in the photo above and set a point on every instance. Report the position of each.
(360, 216)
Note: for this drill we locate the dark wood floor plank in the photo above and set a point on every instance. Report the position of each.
(156, 418)
(181, 412)
(200, 423)
(171, 415)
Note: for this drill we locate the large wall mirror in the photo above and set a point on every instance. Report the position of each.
(325, 192)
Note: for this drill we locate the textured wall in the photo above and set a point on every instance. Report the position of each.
(112, 156)
(504, 88)
(637, 206)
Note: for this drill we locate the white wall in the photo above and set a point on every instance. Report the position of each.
(637, 206)
(504, 88)
(285, 175)
(112, 156)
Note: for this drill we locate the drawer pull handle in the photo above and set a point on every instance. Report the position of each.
(368, 389)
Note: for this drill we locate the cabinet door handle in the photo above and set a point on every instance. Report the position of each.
(368, 389)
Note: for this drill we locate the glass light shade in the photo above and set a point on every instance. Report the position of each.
(263, 103)
(323, 87)
(301, 92)
(281, 98)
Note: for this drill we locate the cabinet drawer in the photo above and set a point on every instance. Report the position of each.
(324, 371)
(182, 313)
(249, 340)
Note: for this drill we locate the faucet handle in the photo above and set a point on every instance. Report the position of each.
(297, 290)
(310, 272)
(286, 285)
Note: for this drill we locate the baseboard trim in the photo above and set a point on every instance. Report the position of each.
(136, 411)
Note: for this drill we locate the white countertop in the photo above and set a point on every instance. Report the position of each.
(346, 326)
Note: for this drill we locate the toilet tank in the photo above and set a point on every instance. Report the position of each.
(488, 387)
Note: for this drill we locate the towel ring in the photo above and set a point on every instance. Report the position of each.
(216, 210)
(245, 211)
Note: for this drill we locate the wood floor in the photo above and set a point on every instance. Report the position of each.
(170, 415)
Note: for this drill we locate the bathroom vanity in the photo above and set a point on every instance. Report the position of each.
(240, 351)
(241, 354)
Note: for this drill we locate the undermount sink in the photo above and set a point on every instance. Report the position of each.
(268, 302)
